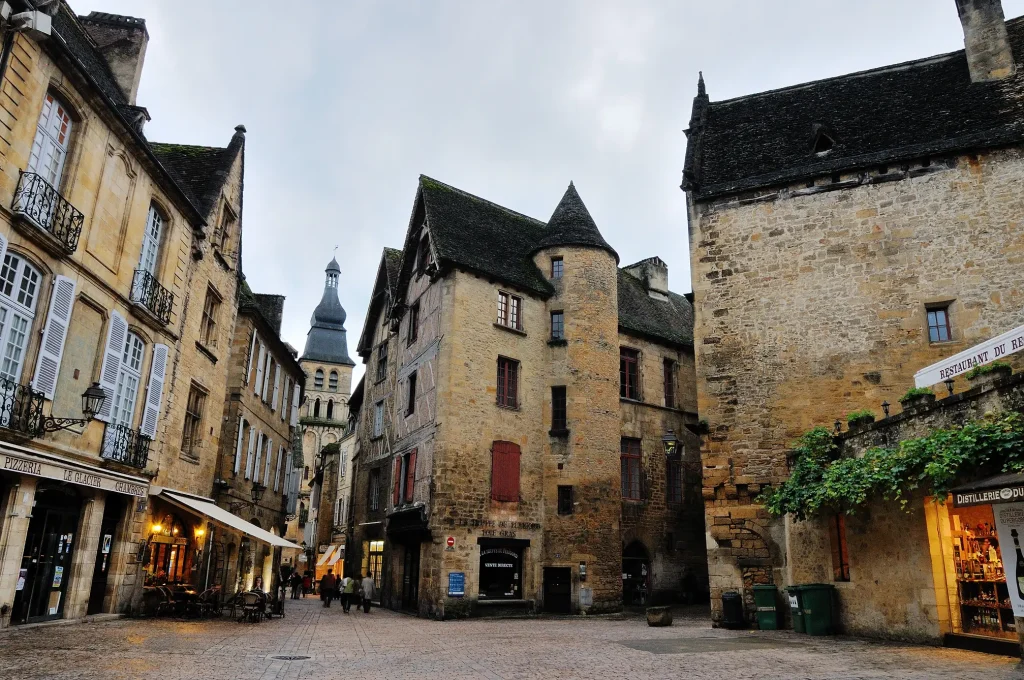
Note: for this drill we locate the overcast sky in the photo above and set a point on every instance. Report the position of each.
(346, 103)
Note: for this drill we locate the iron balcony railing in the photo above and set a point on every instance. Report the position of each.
(148, 292)
(21, 408)
(126, 446)
(47, 209)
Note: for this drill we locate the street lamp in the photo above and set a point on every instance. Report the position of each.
(670, 442)
(92, 403)
(256, 493)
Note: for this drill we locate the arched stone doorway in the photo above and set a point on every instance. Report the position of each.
(636, 574)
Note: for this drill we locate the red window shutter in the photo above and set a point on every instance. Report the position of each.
(410, 476)
(505, 471)
(396, 494)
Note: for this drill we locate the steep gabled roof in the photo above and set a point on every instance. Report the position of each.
(381, 299)
(200, 170)
(669, 321)
(572, 225)
(393, 266)
(876, 117)
(482, 237)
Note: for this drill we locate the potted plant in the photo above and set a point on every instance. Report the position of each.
(917, 396)
(987, 374)
(860, 418)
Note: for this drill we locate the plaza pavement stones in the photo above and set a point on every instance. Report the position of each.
(385, 645)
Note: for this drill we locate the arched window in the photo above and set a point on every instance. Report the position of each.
(316, 408)
(19, 290)
(333, 382)
(318, 379)
(330, 409)
(151, 241)
(128, 380)
(50, 146)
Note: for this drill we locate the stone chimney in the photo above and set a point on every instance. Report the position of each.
(989, 56)
(122, 41)
(654, 273)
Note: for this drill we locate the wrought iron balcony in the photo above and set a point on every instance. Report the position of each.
(148, 292)
(43, 206)
(21, 408)
(126, 446)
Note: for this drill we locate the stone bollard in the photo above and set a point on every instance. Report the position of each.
(659, 616)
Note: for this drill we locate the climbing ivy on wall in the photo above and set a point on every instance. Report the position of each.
(821, 480)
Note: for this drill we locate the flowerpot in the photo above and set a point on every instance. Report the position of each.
(919, 400)
(659, 616)
(992, 376)
(861, 422)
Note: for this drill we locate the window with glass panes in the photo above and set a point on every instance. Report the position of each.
(938, 324)
(556, 267)
(557, 326)
(151, 241)
(629, 373)
(510, 310)
(191, 436)
(670, 383)
(208, 328)
(128, 380)
(674, 480)
(508, 382)
(378, 419)
(559, 422)
(382, 361)
(19, 290)
(414, 321)
(50, 146)
(629, 451)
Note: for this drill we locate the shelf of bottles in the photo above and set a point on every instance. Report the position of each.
(984, 598)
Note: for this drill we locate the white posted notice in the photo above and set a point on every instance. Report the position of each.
(1010, 527)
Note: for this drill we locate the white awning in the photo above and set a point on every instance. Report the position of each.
(339, 553)
(326, 556)
(215, 513)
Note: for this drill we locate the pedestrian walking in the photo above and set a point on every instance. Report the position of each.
(367, 586)
(296, 583)
(348, 590)
(327, 587)
(307, 583)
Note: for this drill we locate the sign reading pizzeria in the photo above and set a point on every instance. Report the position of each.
(28, 464)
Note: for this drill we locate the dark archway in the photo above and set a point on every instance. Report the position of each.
(636, 574)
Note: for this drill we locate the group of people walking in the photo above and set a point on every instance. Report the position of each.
(347, 590)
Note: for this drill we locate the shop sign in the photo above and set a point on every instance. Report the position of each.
(1010, 528)
(998, 347)
(1007, 494)
(172, 540)
(456, 583)
(27, 465)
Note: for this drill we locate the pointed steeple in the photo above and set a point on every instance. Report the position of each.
(572, 225)
(327, 340)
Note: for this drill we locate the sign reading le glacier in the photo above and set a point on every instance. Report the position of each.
(986, 352)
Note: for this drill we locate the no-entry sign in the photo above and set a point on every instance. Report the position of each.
(451, 541)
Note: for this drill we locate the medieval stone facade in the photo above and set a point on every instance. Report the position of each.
(503, 464)
(842, 242)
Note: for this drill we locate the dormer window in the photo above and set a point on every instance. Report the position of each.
(823, 142)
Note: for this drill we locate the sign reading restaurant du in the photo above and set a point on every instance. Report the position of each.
(983, 353)
(39, 465)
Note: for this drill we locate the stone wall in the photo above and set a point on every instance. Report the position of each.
(811, 302)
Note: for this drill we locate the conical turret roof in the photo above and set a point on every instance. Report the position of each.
(327, 340)
(572, 225)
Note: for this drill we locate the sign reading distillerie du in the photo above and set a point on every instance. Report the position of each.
(984, 353)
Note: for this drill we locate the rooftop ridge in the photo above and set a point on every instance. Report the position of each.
(467, 194)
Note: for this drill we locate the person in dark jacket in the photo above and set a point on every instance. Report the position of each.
(296, 583)
(327, 587)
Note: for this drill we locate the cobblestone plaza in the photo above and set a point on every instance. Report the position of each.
(391, 646)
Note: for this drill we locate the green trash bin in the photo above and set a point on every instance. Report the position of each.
(767, 614)
(816, 602)
(796, 608)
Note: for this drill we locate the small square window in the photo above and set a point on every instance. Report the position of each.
(557, 326)
(938, 324)
(565, 504)
(556, 267)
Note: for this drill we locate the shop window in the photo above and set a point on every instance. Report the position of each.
(508, 382)
(983, 583)
(629, 373)
(557, 325)
(630, 461)
(170, 552)
(670, 383)
(938, 324)
(500, 573)
(505, 471)
(674, 480)
(510, 311)
(559, 422)
(382, 361)
(565, 505)
(840, 556)
(414, 323)
(556, 267)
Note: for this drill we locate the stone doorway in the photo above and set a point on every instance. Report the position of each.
(636, 574)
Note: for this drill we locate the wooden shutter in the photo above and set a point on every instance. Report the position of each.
(117, 333)
(249, 456)
(396, 494)
(410, 476)
(259, 369)
(266, 377)
(58, 318)
(277, 387)
(277, 475)
(259, 457)
(238, 447)
(269, 461)
(505, 471)
(154, 392)
(248, 362)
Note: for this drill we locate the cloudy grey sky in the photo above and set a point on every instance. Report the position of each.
(346, 103)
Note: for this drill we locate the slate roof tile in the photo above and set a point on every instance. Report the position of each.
(667, 320)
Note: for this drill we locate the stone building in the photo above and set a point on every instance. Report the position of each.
(119, 260)
(845, 233)
(503, 464)
(323, 417)
(261, 408)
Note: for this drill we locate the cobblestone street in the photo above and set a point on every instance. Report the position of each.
(392, 646)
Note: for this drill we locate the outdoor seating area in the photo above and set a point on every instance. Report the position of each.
(183, 601)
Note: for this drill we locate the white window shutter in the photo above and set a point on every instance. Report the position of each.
(259, 457)
(259, 369)
(117, 333)
(270, 459)
(295, 405)
(58, 319)
(277, 387)
(252, 352)
(284, 397)
(154, 392)
(277, 474)
(248, 458)
(238, 447)
(3, 248)
(266, 377)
